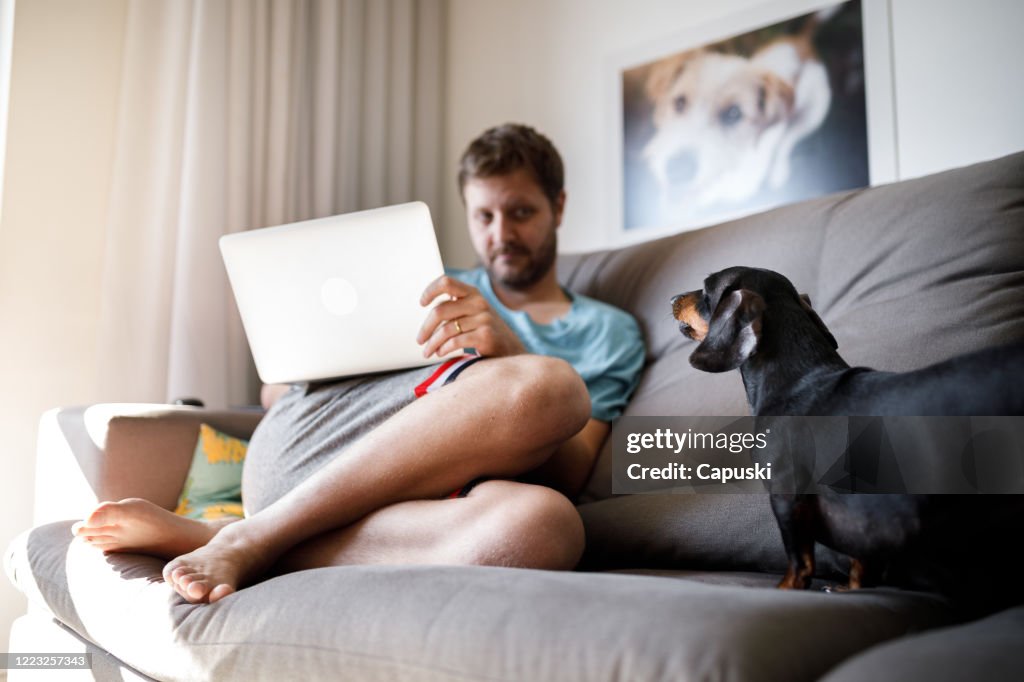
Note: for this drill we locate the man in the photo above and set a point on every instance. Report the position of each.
(414, 466)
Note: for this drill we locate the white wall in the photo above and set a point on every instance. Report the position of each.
(6, 32)
(547, 63)
(64, 79)
(958, 95)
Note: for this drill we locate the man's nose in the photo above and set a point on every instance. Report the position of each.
(502, 229)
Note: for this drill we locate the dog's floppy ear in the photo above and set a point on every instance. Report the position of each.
(733, 333)
(663, 74)
(775, 98)
(805, 301)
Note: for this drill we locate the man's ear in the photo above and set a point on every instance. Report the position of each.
(558, 208)
(805, 301)
(733, 333)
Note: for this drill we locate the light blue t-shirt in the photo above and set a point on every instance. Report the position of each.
(600, 341)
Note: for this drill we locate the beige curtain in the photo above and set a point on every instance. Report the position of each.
(239, 114)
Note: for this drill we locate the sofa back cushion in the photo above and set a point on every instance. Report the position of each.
(905, 275)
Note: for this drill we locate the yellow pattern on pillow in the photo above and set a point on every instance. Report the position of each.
(213, 487)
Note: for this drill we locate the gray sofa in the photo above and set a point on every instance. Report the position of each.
(673, 587)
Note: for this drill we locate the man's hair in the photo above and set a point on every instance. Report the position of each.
(507, 148)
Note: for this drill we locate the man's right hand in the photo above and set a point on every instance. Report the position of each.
(465, 321)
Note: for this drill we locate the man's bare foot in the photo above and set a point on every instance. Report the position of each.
(226, 563)
(138, 525)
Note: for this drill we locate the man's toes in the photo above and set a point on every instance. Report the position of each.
(88, 528)
(186, 579)
(194, 588)
(89, 533)
(109, 548)
(221, 591)
(173, 571)
(180, 572)
(86, 531)
(182, 575)
(182, 580)
(102, 515)
(107, 513)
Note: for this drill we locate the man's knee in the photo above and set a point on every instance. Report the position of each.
(526, 526)
(550, 396)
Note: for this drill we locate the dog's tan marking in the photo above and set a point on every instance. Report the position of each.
(856, 574)
(788, 581)
(798, 576)
(684, 309)
(665, 72)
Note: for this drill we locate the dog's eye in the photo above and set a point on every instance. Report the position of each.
(679, 103)
(731, 115)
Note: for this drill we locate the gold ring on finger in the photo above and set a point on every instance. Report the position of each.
(458, 327)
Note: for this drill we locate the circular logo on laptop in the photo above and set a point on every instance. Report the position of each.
(339, 296)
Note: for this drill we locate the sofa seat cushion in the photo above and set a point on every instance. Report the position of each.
(727, 531)
(457, 623)
(989, 649)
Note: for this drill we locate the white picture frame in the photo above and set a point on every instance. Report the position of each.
(882, 159)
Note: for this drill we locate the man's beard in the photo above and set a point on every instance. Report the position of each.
(536, 267)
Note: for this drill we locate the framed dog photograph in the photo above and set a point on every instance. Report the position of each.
(746, 121)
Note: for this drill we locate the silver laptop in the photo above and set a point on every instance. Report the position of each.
(335, 297)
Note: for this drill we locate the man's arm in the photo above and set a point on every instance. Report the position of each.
(569, 467)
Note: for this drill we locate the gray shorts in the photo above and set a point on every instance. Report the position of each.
(312, 424)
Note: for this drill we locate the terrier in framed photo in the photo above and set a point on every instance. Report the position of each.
(764, 118)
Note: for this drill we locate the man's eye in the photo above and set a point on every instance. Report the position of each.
(484, 217)
(522, 213)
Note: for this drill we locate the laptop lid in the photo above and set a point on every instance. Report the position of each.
(335, 297)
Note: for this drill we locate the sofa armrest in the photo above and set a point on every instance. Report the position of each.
(112, 451)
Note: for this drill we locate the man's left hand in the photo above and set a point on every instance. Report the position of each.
(465, 321)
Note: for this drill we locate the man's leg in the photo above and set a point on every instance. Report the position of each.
(503, 417)
(499, 523)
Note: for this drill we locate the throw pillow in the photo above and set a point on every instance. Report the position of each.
(213, 487)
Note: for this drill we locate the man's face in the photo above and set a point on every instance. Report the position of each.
(512, 226)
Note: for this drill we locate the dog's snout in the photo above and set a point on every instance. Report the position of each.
(684, 310)
(681, 301)
(682, 168)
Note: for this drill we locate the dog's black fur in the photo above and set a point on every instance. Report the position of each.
(755, 320)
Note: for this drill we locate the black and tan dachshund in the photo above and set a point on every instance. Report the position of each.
(754, 320)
